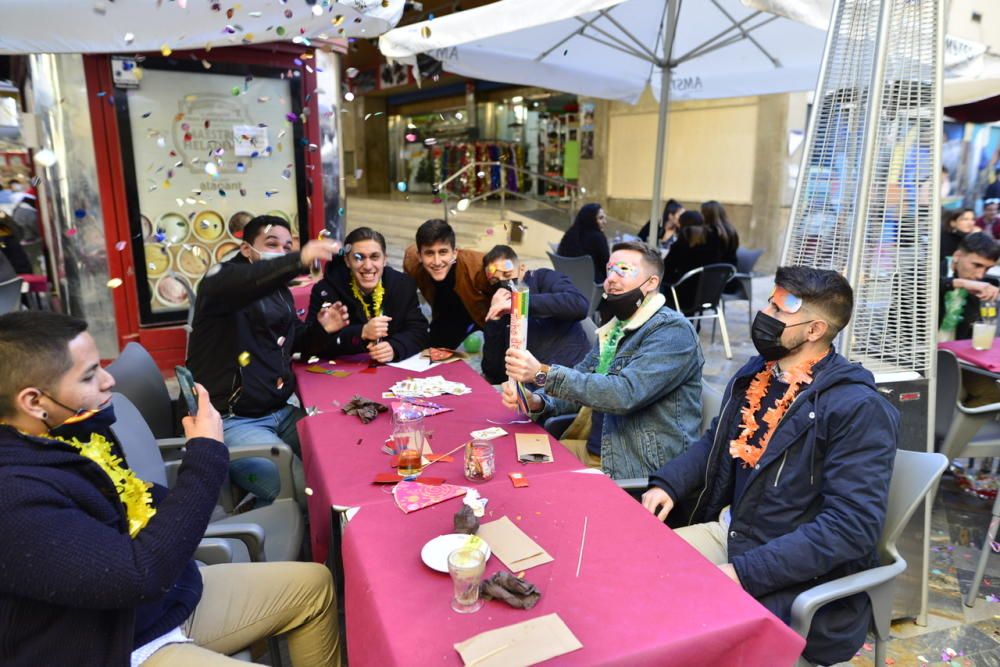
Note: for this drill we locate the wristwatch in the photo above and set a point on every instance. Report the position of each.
(542, 375)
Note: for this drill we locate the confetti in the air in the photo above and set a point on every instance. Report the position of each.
(115, 283)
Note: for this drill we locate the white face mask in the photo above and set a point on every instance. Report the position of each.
(268, 255)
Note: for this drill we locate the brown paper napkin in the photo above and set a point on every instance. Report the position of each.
(526, 643)
(512, 545)
(533, 448)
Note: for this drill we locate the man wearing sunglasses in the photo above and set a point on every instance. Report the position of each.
(637, 393)
(555, 309)
(788, 488)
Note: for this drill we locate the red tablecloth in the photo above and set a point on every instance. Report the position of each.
(988, 359)
(339, 469)
(643, 597)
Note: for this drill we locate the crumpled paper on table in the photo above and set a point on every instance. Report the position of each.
(518, 593)
(365, 409)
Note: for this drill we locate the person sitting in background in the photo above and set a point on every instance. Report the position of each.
(696, 246)
(718, 224)
(964, 287)
(789, 486)
(956, 224)
(585, 238)
(243, 336)
(988, 220)
(639, 388)
(96, 565)
(669, 224)
(555, 308)
(964, 284)
(452, 282)
(10, 245)
(382, 305)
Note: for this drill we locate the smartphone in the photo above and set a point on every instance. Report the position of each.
(188, 391)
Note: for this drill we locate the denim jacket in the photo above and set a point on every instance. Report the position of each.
(651, 395)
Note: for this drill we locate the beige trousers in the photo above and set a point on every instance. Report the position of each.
(580, 451)
(709, 538)
(245, 602)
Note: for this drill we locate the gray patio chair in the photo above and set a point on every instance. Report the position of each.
(913, 476)
(281, 522)
(580, 271)
(961, 431)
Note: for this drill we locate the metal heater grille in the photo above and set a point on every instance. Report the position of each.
(866, 204)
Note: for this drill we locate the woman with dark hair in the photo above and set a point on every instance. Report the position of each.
(955, 225)
(585, 237)
(385, 317)
(719, 225)
(669, 224)
(696, 246)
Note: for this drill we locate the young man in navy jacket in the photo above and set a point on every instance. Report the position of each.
(789, 486)
(555, 308)
(96, 565)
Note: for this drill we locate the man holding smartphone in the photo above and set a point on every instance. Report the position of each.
(244, 333)
(96, 565)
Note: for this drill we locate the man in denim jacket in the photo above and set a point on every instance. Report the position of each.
(641, 383)
(785, 513)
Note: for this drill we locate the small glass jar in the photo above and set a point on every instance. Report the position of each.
(479, 463)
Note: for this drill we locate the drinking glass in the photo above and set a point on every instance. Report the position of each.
(408, 441)
(982, 335)
(466, 565)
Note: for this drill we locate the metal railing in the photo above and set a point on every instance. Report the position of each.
(448, 198)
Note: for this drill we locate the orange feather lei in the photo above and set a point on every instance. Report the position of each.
(798, 376)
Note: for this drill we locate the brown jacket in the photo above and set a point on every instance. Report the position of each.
(470, 281)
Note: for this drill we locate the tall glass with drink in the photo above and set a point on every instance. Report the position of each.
(408, 441)
(985, 329)
(466, 565)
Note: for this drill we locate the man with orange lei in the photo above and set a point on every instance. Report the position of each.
(789, 486)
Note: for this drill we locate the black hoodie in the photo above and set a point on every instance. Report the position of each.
(247, 307)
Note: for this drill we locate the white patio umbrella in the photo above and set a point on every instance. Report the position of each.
(972, 72)
(132, 26)
(613, 49)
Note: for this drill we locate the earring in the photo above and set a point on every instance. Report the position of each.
(45, 415)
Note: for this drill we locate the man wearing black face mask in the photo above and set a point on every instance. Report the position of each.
(555, 308)
(789, 486)
(638, 391)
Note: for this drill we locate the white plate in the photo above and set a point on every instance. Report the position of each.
(435, 553)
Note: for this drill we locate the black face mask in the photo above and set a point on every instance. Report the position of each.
(766, 336)
(505, 284)
(84, 422)
(622, 306)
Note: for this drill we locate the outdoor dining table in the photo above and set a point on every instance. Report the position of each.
(985, 362)
(631, 591)
(341, 455)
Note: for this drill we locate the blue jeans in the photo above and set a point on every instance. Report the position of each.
(258, 475)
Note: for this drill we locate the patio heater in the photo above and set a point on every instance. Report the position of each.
(866, 204)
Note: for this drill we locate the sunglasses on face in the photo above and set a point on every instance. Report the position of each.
(623, 269)
(785, 301)
(498, 266)
(359, 258)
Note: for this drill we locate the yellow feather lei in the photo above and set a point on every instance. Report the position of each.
(132, 491)
(377, 295)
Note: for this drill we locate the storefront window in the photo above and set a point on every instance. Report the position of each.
(204, 152)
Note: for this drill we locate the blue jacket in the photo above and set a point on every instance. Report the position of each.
(555, 335)
(813, 508)
(75, 589)
(650, 397)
